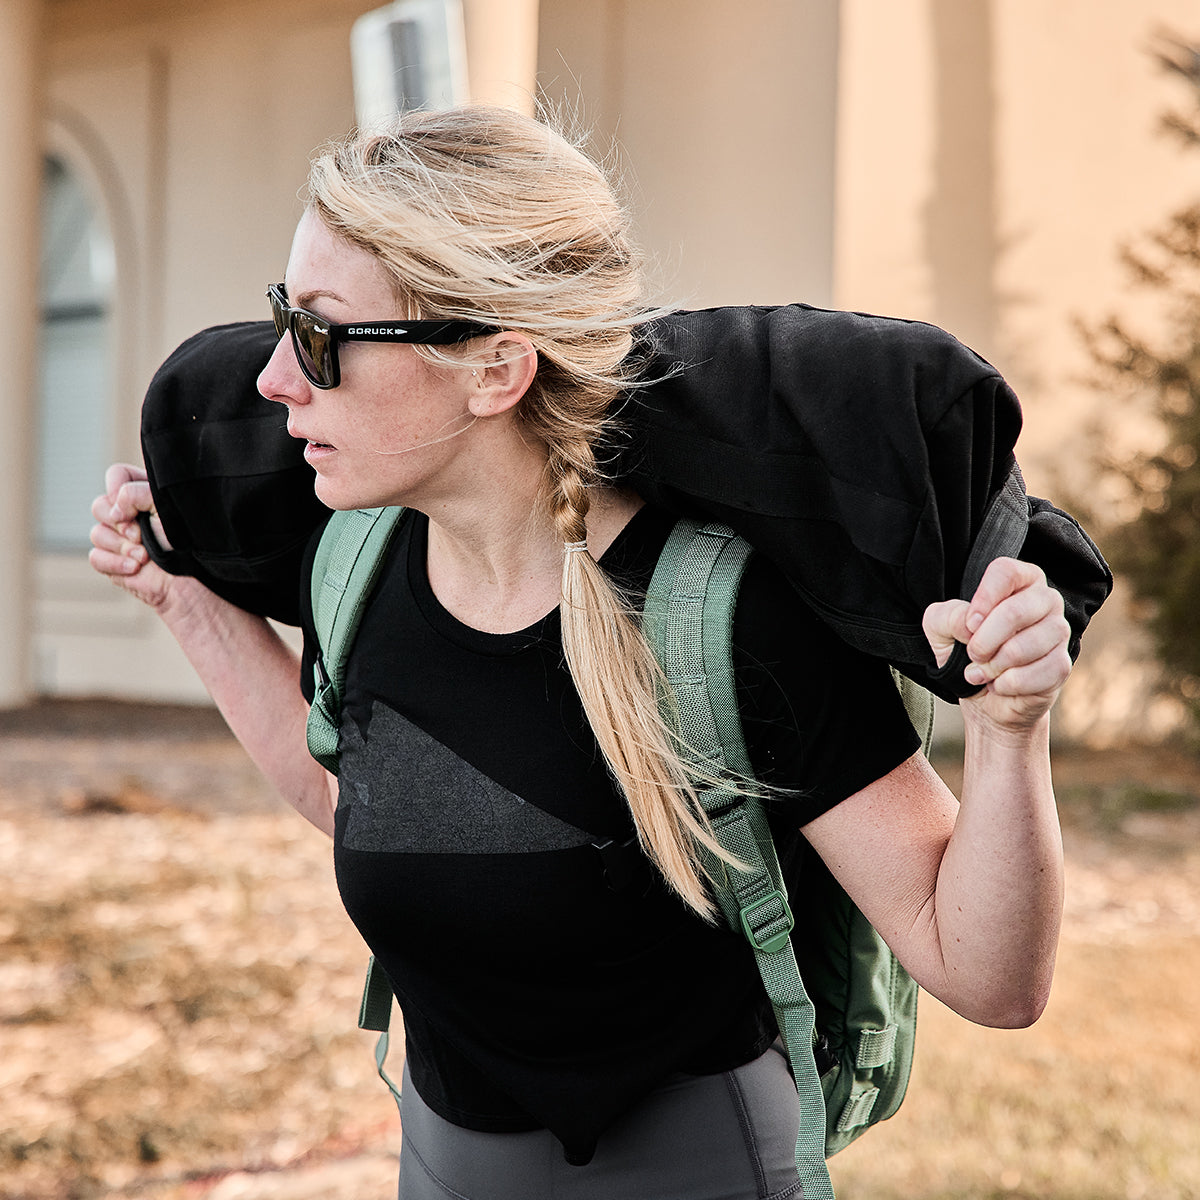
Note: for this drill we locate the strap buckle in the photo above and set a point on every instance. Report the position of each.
(762, 928)
(320, 675)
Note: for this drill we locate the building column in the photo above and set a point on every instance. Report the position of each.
(21, 33)
(961, 225)
(502, 47)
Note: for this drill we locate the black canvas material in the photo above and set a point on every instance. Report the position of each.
(861, 453)
(231, 488)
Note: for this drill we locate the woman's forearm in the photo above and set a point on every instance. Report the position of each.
(999, 894)
(248, 670)
(253, 677)
(969, 895)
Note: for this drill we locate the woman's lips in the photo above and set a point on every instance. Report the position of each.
(314, 451)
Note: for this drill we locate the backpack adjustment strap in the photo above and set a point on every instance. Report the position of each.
(375, 1014)
(759, 901)
(375, 1009)
(688, 619)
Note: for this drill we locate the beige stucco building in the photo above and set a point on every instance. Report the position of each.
(971, 162)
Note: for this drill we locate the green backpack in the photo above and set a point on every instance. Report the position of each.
(853, 1007)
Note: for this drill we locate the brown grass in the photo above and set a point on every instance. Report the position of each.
(177, 1000)
(1097, 1100)
(178, 990)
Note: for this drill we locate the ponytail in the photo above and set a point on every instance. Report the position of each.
(619, 682)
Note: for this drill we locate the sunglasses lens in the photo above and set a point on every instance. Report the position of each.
(313, 349)
(310, 338)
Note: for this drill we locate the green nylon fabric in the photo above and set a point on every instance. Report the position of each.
(875, 1047)
(375, 1013)
(688, 620)
(857, 994)
(347, 560)
(375, 1008)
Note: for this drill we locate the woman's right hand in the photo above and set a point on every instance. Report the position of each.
(117, 550)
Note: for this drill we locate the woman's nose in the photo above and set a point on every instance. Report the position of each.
(281, 379)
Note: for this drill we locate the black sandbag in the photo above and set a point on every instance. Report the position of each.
(231, 487)
(862, 454)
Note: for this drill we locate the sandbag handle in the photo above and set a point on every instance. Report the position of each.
(171, 561)
(1001, 535)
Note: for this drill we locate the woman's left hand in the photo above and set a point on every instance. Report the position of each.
(1016, 636)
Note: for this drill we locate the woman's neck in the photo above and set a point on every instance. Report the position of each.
(498, 566)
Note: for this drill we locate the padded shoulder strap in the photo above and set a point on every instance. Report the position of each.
(689, 621)
(344, 570)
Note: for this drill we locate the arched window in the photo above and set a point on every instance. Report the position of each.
(75, 403)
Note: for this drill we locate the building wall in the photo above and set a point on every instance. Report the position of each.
(195, 124)
(974, 164)
(1048, 113)
(993, 157)
(726, 116)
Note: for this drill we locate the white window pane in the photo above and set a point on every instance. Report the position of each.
(75, 423)
(75, 406)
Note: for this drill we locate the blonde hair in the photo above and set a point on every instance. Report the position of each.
(485, 214)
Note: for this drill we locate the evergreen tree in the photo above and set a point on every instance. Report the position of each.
(1156, 547)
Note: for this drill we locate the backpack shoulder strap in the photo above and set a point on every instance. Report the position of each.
(688, 622)
(344, 571)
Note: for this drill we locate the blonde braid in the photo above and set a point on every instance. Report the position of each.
(619, 682)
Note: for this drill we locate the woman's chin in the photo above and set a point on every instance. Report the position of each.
(344, 496)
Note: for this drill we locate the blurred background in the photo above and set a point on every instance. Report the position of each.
(1024, 173)
(981, 164)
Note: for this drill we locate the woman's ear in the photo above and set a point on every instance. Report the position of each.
(503, 374)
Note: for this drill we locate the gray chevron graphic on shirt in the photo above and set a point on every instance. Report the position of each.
(407, 793)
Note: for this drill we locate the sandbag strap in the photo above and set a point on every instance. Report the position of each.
(1001, 534)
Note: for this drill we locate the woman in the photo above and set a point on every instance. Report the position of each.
(542, 1004)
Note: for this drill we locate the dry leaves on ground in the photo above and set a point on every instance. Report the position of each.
(179, 987)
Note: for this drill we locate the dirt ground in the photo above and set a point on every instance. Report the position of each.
(179, 990)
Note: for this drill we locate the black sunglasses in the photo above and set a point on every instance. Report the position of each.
(315, 340)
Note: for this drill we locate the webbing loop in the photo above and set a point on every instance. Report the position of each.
(858, 1109)
(876, 1047)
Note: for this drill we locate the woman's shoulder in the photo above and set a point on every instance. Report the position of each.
(819, 716)
(633, 554)
(777, 636)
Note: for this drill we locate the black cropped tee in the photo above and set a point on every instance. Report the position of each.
(540, 986)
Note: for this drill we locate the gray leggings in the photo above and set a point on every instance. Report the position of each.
(697, 1137)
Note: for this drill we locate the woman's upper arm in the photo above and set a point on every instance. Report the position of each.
(825, 726)
(884, 844)
(821, 720)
